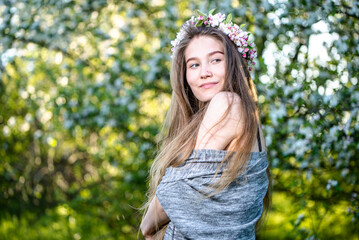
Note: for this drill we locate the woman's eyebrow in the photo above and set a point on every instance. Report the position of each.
(214, 52)
(209, 54)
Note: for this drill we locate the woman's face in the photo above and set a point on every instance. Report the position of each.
(205, 67)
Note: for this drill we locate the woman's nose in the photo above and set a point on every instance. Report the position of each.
(206, 72)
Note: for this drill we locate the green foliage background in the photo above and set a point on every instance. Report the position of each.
(85, 85)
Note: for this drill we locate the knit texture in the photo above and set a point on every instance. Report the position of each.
(230, 214)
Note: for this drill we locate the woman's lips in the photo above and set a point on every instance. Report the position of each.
(208, 85)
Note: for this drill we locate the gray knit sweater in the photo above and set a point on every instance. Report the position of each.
(230, 214)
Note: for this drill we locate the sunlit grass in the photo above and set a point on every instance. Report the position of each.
(285, 222)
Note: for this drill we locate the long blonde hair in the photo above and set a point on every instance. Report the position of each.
(180, 129)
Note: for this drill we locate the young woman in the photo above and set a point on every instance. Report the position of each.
(210, 177)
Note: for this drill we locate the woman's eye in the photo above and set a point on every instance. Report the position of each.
(194, 65)
(216, 60)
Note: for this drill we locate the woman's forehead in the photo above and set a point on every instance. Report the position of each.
(202, 46)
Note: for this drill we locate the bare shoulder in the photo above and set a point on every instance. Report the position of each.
(225, 98)
(221, 122)
(222, 101)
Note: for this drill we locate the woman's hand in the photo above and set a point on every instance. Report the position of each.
(154, 219)
(148, 236)
(146, 231)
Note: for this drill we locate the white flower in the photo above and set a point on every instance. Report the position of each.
(224, 28)
(250, 38)
(216, 19)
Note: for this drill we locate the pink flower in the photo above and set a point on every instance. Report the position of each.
(244, 55)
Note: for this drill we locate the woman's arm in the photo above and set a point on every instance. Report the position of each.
(154, 218)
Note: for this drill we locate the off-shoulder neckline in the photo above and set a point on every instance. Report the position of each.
(220, 153)
(218, 150)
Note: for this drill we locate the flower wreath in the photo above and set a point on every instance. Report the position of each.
(242, 39)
